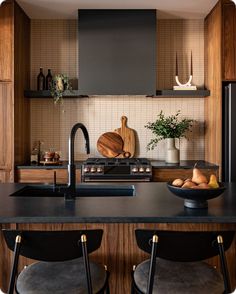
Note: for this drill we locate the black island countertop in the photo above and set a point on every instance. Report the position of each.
(152, 203)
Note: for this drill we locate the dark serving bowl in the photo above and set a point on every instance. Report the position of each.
(196, 198)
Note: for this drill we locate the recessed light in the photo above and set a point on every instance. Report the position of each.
(234, 1)
(1, 1)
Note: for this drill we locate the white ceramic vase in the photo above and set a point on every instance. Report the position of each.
(172, 153)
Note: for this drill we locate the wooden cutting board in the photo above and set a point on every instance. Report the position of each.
(110, 144)
(128, 136)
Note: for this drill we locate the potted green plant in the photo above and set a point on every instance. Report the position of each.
(168, 128)
(60, 83)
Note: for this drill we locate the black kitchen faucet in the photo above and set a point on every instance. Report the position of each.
(70, 192)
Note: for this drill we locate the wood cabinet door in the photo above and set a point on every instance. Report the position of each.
(45, 176)
(5, 176)
(6, 41)
(229, 41)
(6, 126)
(168, 175)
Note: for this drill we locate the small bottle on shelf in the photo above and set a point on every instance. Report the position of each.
(49, 80)
(41, 80)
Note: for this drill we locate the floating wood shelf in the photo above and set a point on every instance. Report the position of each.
(47, 94)
(182, 93)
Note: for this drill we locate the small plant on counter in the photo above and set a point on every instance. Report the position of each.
(168, 127)
(60, 83)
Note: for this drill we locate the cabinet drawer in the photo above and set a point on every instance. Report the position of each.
(166, 175)
(44, 175)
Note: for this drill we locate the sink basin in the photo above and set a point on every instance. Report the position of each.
(81, 191)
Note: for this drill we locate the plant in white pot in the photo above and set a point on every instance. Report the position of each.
(168, 128)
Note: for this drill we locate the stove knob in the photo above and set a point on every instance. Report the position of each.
(148, 170)
(141, 170)
(93, 169)
(134, 170)
(86, 169)
(99, 170)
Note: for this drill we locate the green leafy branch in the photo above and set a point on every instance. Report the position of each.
(167, 127)
(60, 83)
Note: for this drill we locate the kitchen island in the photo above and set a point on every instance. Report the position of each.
(152, 206)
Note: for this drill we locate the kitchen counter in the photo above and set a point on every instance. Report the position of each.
(188, 164)
(153, 207)
(153, 203)
(162, 171)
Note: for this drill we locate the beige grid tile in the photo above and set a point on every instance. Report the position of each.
(54, 45)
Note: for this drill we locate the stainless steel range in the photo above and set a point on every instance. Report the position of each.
(116, 169)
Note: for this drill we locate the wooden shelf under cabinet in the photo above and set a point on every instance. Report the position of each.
(44, 176)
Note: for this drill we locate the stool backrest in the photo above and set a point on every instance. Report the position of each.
(53, 245)
(183, 246)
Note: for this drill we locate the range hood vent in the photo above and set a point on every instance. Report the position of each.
(117, 52)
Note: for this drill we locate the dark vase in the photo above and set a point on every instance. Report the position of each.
(49, 80)
(41, 80)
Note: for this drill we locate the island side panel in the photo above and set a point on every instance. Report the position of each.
(118, 250)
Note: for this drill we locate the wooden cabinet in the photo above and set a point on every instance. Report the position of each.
(5, 176)
(167, 174)
(45, 176)
(14, 77)
(6, 41)
(6, 133)
(6, 125)
(228, 41)
(220, 65)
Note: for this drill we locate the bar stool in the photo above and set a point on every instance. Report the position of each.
(62, 262)
(176, 265)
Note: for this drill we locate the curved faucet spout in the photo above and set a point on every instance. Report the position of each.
(72, 141)
(71, 189)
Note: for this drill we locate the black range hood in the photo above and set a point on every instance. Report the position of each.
(117, 52)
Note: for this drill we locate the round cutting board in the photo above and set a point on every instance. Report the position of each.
(110, 144)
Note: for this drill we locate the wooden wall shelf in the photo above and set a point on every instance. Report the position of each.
(182, 93)
(46, 94)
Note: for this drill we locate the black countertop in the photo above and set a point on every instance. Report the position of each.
(153, 203)
(186, 164)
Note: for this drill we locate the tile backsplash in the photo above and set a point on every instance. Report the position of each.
(54, 44)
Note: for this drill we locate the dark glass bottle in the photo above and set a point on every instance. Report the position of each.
(49, 80)
(41, 80)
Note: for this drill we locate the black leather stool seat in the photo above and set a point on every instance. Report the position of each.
(180, 278)
(55, 277)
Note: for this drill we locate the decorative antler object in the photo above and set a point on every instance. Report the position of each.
(186, 86)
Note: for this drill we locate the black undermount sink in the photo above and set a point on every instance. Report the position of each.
(81, 191)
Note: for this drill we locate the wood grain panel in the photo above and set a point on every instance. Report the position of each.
(6, 42)
(213, 103)
(6, 126)
(5, 176)
(166, 175)
(119, 250)
(21, 82)
(229, 41)
(44, 175)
